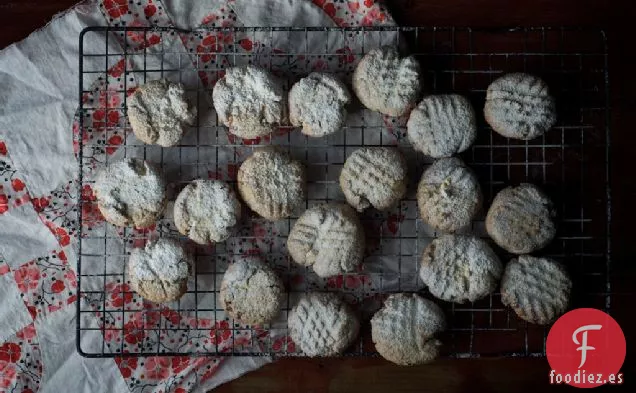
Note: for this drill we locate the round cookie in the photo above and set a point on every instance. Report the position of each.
(460, 268)
(250, 101)
(251, 292)
(403, 329)
(207, 211)
(159, 272)
(329, 238)
(159, 112)
(130, 192)
(317, 103)
(442, 125)
(448, 195)
(538, 289)
(271, 183)
(520, 106)
(521, 219)
(374, 176)
(322, 324)
(386, 83)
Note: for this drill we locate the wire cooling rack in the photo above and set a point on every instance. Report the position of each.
(570, 162)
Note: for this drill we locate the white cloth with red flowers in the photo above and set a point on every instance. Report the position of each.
(38, 188)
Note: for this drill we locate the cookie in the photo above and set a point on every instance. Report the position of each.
(159, 112)
(521, 219)
(159, 271)
(251, 292)
(386, 83)
(520, 106)
(250, 101)
(460, 268)
(207, 211)
(374, 176)
(329, 238)
(448, 195)
(317, 104)
(404, 329)
(322, 324)
(271, 183)
(537, 289)
(130, 192)
(442, 125)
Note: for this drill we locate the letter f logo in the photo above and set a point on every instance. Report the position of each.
(584, 347)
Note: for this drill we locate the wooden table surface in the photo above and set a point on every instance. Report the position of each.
(19, 17)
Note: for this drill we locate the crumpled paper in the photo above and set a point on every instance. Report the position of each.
(39, 187)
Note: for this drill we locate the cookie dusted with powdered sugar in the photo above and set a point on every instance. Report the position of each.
(130, 192)
(404, 329)
(520, 106)
(207, 211)
(159, 112)
(322, 324)
(159, 271)
(329, 238)
(271, 183)
(538, 289)
(317, 103)
(448, 195)
(374, 176)
(250, 101)
(387, 83)
(442, 125)
(251, 292)
(460, 268)
(521, 219)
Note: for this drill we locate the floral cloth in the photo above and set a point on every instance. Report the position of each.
(38, 191)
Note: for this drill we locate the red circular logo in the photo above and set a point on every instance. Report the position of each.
(586, 348)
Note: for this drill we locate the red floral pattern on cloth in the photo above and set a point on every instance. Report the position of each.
(134, 14)
(13, 191)
(355, 12)
(46, 284)
(20, 362)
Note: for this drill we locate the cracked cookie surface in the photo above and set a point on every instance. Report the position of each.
(130, 192)
(404, 329)
(251, 292)
(159, 112)
(249, 101)
(207, 211)
(271, 183)
(159, 271)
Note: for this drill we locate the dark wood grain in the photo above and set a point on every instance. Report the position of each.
(19, 18)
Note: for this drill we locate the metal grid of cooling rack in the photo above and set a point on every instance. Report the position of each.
(571, 162)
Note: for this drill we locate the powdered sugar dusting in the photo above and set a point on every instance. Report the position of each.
(386, 83)
(271, 183)
(130, 191)
(317, 103)
(159, 112)
(460, 268)
(250, 101)
(207, 211)
(251, 292)
(162, 260)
